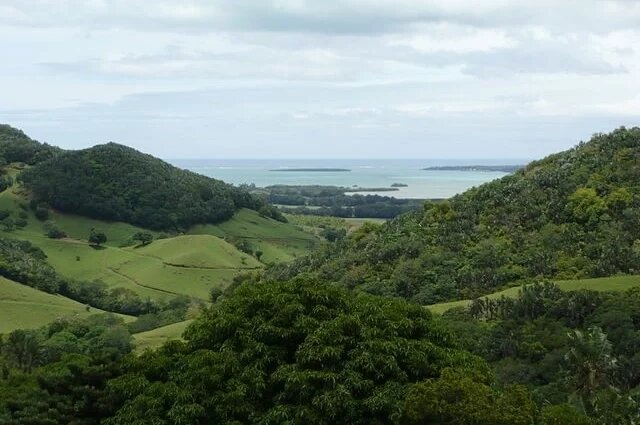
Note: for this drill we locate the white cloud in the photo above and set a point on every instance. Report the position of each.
(337, 73)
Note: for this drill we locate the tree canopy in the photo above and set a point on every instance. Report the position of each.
(115, 182)
(571, 215)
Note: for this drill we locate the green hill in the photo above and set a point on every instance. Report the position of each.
(118, 183)
(156, 337)
(22, 307)
(117, 190)
(571, 215)
(198, 251)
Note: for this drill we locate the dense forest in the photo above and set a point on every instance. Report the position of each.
(268, 353)
(117, 183)
(15, 146)
(571, 215)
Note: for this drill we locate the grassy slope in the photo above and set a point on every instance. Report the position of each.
(22, 307)
(200, 251)
(157, 337)
(278, 241)
(186, 265)
(613, 283)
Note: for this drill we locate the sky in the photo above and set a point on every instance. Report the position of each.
(320, 79)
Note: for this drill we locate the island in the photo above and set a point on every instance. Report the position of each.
(399, 185)
(501, 168)
(313, 170)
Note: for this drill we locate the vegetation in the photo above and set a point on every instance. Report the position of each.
(337, 201)
(571, 215)
(329, 339)
(15, 146)
(117, 183)
(578, 348)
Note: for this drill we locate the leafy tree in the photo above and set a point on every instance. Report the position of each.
(590, 361)
(465, 397)
(145, 238)
(563, 414)
(97, 238)
(289, 352)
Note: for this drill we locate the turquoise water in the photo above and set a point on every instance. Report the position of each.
(364, 173)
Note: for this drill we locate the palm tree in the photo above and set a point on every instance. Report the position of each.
(590, 362)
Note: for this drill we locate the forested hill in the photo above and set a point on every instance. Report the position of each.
(15, 146)
(115, 182)
(573, 214)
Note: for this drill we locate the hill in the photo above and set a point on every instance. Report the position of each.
(571, 215)
(15, 146)
(23, 307)
(118, 183)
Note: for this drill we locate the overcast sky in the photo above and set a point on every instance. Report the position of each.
(320, 78)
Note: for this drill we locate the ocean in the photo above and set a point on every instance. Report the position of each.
(365, 173)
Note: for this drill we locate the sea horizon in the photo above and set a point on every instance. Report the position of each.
(363, 173)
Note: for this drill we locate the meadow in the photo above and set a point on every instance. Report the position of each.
(172, 265)
(22, 307)
(613, 283)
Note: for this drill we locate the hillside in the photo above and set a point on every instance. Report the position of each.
(47, 248)
(23, 307)
(118, 183)
(571, 215)
(15, 146)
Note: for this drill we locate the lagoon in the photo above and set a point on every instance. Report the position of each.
(421, 184)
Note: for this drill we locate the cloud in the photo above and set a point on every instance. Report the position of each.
(313, 77)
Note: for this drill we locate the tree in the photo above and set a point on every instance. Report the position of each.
(290, 352)
(258, 253)
(22, 347)
(563, 414)
(465, 397)
(586, 205)
(97, 238)
(590, 362)
(145, 238)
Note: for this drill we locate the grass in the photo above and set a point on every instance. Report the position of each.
(315, 223)
(157, 337)
(203, 251)
(278, 241)
(188, 265)
(613, 283)
(22, 307)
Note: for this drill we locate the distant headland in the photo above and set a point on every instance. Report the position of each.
(502, 168)
(313, 170)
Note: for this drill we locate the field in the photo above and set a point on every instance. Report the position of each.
(189, 265)
(316, 223)
(27, 308)
(613, 283)
(157, 337)
(279, 242)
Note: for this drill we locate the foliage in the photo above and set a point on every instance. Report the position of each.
(57, 374)
(145, 238)
(571, 215)
(97, 238)
(294, 352)
(15, 146)
(577, 350)
(465, 397)
(114, 182)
